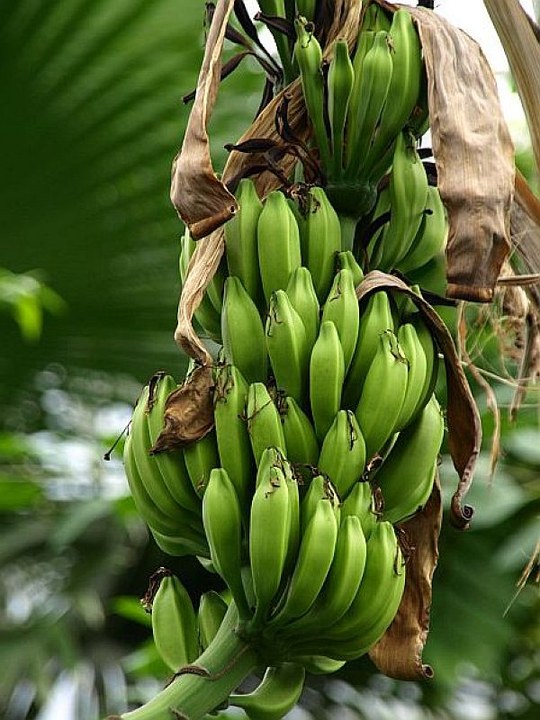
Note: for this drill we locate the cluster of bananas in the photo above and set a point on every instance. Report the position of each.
(326, 429)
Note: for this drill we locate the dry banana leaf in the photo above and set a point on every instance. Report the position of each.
(522, 49)
(464, 428)
(189, 412)
(398, 653)
(200, 198)
(474, 156)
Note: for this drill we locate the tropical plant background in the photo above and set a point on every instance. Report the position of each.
(92, 115)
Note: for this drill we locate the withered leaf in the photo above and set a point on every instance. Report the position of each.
(473, 152)
(200, 198)
(464, 427)
(398, 653)
(189, 412)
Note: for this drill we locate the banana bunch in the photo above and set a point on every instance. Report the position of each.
(162, 485)
(367, 98)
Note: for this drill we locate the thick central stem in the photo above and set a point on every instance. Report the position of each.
(216, 674)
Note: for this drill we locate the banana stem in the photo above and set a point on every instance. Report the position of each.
(348, 229)
(213, 677)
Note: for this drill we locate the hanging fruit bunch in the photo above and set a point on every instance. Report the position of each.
(298, 458)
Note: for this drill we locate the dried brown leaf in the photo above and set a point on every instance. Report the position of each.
(522, 49)
(464, 428)
(473, 152)
(189, 412)
(200, 198)
(399, 652)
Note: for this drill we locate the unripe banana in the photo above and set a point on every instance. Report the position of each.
(212, 609)
(417, 361)
(341, 307)
(278, 242)
(343, 452)
(319, 664)
(326, 375)
(270, 456)
(171, 464)
(299, 433)
(308, 55)
(320, 488)
(408, 191)
(404, 89)
(269, 535)
(276, 695)
(359, 502)
(382, 573)
(243, 333)
(375, 19)
(240, 235)
(427, 341)
(407, 473)
(222, 518)
(263, 422)
(346, 260)
(179, 546)
(304, 300)
(201, 457)
(174, 623)
(342, 582)
(368, 106)
(431, 236)
(339, 83)
(287, 346)
(383, 394)
(315, 557)
(294, 516)
(321, 240)
(234, 446)
(375, 319)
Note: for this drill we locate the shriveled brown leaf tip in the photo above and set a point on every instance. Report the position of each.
(189, 413)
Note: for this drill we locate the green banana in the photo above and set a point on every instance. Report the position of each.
(319, 664)
(431, 236)
(359, 502)
(278, 243)
(263, 422)
(408, 192)
(174, 623)
(243, 332)
(326, 375)
(340, 82)
(212, 609)
(206, 314)
(343, 452)
(201, 457)
(234, 446)
(171, 464)
(407, 473)
(317, 546)
(417, 361)
(180, 545)
(376, 602)
(304, 300)
(347, 261)
(369, 104)
(321, 240)
(320, 488)
(240, 235)
(383, 394)
(375, 319)
(308, 55)
(404, 90)
(427, 341)
(287, 346)
(269, 535)
(375, 19)
(299, 433)
(222, 518)
(342, 582)
(341, 307)
(276, 695)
